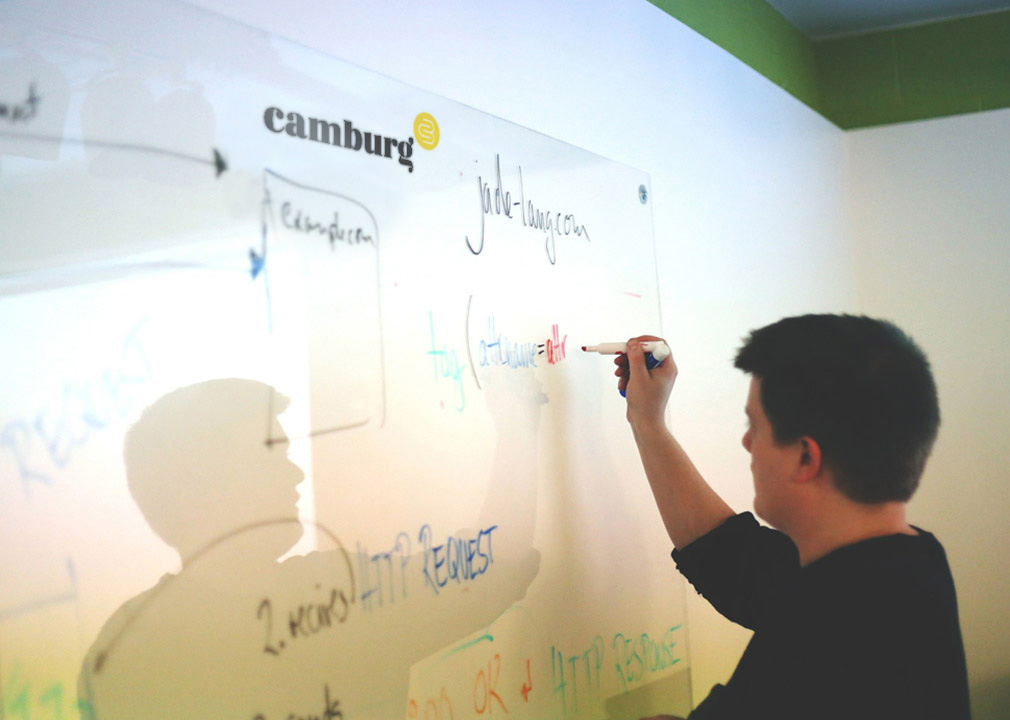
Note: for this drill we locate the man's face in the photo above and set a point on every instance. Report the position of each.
(770, 463)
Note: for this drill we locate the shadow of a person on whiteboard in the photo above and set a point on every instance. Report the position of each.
(237, 632)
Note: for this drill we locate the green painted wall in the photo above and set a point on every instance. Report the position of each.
(915, 73)
(925, 71)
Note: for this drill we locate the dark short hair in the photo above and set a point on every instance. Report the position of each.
(858, 386)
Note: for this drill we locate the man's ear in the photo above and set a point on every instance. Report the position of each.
(810, 459)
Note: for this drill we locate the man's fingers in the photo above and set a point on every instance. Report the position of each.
(636, 358)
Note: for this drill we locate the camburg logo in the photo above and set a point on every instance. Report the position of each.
(352, 138)
(346, 135)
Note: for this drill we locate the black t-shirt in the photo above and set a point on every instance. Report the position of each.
(868, 631)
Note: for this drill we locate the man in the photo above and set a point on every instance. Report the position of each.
(853, 610)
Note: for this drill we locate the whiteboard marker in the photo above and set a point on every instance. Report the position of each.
(656, 352)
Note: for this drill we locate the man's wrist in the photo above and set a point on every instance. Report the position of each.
(648, 427)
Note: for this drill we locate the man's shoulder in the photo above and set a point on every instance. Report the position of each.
(902, 562)
(891, 589)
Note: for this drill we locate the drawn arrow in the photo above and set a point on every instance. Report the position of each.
(217, 161)
(219, 164)
(258, 261)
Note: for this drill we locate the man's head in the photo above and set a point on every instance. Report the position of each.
(860, 388)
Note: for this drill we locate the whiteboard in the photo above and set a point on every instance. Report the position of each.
(293, 416)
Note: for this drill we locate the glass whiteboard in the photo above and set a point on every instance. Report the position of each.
(294, 420)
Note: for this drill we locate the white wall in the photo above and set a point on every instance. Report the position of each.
(747, 183)
(931, 210)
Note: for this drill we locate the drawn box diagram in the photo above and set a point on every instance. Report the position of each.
(320, 265)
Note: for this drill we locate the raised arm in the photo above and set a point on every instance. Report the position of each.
(689, 507)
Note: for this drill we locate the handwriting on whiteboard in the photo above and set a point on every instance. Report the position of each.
(499, 202)
(305, 619)
(46, 442)
(458, 559)
(49, 699)
(333, 230)
(576, 675)
(384, 577)
(503, 680)
(496, 348)
(447, 365)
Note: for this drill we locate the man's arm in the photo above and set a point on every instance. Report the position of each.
(689, 507)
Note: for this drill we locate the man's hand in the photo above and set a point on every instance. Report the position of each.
(647, 390)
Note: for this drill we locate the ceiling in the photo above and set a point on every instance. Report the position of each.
(826, 18)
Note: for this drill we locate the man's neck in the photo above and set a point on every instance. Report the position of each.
(847, 524)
